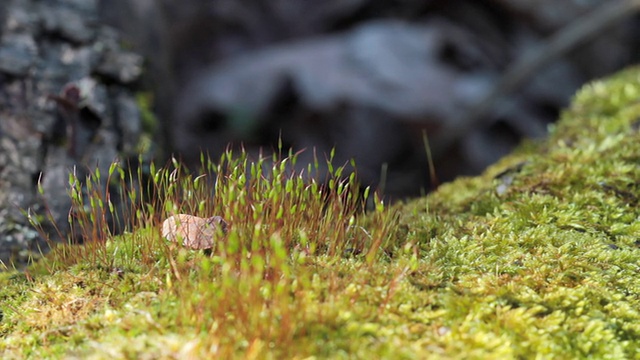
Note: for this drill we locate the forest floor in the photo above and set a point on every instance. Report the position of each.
(537, 257)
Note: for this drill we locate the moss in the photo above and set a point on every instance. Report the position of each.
(537, 257)
(539, 251)
(145, 101)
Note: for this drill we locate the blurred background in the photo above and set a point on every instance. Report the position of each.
(372, 79)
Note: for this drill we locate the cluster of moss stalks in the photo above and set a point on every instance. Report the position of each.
(538, 257)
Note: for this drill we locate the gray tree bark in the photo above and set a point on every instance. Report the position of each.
(66, 102)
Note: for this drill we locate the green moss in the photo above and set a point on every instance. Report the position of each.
(145, 100)
(545, 262)
(538, 257)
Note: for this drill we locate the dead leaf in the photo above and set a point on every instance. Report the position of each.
(195, 232)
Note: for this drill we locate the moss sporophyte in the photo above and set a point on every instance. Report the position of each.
(536, 258)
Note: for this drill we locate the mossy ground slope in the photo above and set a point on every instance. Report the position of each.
(540, 255)
(537, 258)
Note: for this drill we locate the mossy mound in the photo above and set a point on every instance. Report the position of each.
(540, 255)
(536, 258)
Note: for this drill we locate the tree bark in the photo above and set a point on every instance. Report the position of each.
(66, 104)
